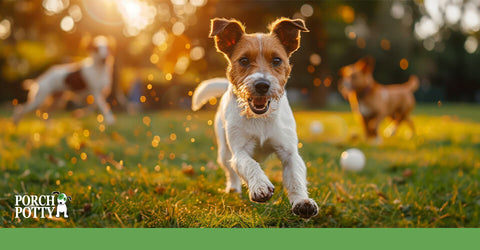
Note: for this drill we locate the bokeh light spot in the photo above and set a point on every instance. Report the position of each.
(178, 28)
(154, 58)
(471, 44)
(67, 24)
(404, 64)
(361, 43)
(100, 118)
(83, 156)
(347, 13)
(385, 44)
(5, 29)
(306, 10)
(328, 81)
(310, 69)
(212, 101)
(315, 59)
(146, 120)
(75, 12)
(90, 99)
(54, 6)
(197, 53)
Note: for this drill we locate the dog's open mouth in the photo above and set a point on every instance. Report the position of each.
(259, 104)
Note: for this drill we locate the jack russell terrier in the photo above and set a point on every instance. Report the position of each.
(92, 76)
(254, 118)
(375, 101)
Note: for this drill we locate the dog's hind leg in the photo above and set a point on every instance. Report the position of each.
(371, 125)
(233, 182)
(35, 98)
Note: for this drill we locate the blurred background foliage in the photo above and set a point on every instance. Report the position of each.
(165, 43)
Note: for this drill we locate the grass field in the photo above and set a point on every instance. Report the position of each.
(158, 170)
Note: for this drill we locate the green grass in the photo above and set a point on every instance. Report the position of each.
(123, 180)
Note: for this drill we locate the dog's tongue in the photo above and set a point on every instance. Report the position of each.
(259, 100)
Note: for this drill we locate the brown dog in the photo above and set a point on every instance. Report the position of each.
(375, 101)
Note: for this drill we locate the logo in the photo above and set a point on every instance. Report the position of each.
(41, 206)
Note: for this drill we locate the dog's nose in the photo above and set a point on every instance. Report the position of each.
(261, 87)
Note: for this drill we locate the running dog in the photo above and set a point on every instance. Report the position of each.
(92, 76)
(375, 101)
(254, 118)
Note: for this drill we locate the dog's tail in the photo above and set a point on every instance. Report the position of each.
(413, 83)
(208, 89)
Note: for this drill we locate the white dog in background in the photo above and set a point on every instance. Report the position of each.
(92, 76)
(254, 118)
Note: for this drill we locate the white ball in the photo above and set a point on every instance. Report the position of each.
(316, 127)
(352, 159)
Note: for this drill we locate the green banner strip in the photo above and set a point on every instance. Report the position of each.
(244, 238)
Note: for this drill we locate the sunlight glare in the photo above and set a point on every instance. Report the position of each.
(136, 15)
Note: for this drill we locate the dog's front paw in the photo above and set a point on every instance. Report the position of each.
(261, 192)
(306, 208)
(17, 115)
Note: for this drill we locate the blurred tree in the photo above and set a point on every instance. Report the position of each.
(169, 41)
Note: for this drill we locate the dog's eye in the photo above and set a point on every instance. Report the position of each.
(276, 61)
(244, 61)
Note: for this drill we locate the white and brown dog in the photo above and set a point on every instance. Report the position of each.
(91, 76)
(254, 118)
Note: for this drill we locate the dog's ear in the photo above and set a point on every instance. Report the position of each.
(69, 198)
(344, 71)
(288, 31)
(55, 192)
(366, 64)
(226, 33)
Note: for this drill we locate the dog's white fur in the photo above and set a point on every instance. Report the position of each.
(243, 141)
(96, 71)
(254, 118)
